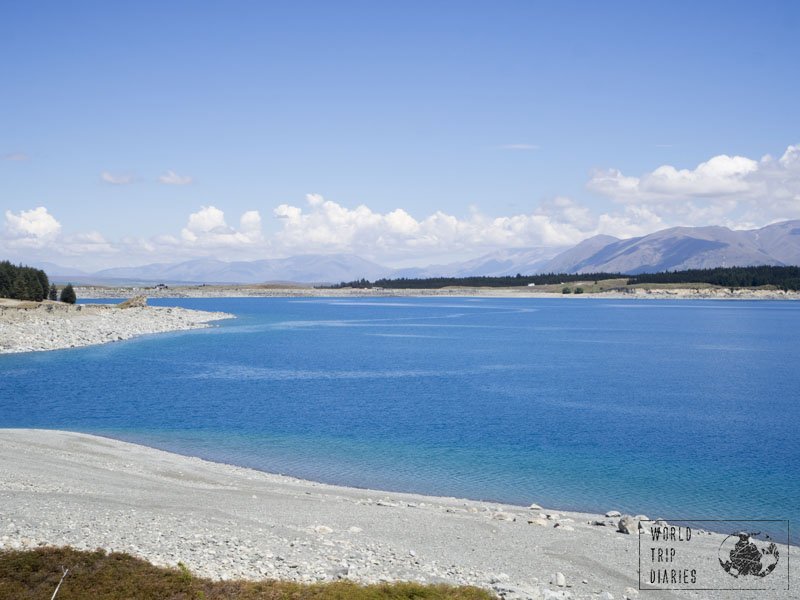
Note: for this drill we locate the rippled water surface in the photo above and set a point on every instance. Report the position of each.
(670, 408)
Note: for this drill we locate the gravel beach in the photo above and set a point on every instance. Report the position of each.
(63, 488)
(32, 327)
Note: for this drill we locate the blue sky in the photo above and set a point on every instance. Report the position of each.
(167, 130)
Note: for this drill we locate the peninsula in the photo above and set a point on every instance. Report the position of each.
(27, 326)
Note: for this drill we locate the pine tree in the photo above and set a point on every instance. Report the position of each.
(44, 283)
(53, 294)
(19, 288)
(68, 294)
(33, 287)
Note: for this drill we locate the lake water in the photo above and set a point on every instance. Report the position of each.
(669, 408)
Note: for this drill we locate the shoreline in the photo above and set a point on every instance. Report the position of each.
(223, 521)
(653, 292)
(38, 327)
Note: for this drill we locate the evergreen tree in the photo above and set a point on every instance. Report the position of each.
(68, 294)
(22, 283)
(19, 288)
(53, 294)
(44, 283)
(33, 286)
(6, 279)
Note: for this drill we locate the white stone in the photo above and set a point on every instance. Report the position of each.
(628, 524)
(504, 516)
(323, 529)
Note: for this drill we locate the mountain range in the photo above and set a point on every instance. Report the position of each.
(676, 248)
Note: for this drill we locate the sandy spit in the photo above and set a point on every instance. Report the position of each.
(33, 327)
(62, 488)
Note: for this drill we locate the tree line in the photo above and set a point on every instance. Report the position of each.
(19, 282)
(785, 278)
(478, 281)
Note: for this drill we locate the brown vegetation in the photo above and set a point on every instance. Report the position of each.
(34, 574)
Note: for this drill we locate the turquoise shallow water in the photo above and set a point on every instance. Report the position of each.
(669, 408)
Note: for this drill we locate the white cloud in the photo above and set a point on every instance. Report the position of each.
(32, 227)
(207, 219)
(89, 243)
(720, 176)
(724, 190)
(250, 223)
(207, 227)
(326, 226)
(116, 179)
(728, 190)
(172, 178)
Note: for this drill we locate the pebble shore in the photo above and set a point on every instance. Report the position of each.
(61, 488)
(33, 327)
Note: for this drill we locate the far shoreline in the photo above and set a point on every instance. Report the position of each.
(640, 292)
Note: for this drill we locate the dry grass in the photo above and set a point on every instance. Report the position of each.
(34, 574)
(25, 304)
(135, 302)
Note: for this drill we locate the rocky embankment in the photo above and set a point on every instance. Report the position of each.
(38, 326)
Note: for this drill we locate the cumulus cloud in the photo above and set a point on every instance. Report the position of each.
(725, 188)
(325, 225)
(172, 178)
(720, 176)
(207, 227)
(116, 179)
(729, 190)
(89, 243)
(33, 227)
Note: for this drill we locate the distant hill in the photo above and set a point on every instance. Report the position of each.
(495, 264)
(54, 270)
(680, 248)
(566, 261)
(677, 248)
(308, 268)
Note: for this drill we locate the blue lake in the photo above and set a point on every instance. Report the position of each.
(669, 408)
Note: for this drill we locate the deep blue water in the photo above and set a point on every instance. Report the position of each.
(669, 408)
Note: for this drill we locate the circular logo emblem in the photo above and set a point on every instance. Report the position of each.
(741, 555)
